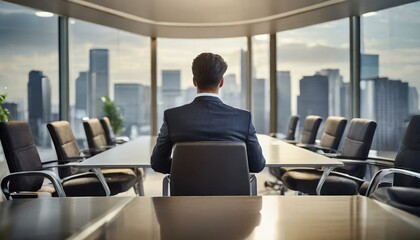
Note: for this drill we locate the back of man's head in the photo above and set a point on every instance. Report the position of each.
(208, 70)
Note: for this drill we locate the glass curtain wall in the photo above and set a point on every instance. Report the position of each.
(390, 72)
(175, 80)
(107, 62)
(313, 73)
(29, 69)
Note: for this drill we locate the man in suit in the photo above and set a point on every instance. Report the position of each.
(207, 118)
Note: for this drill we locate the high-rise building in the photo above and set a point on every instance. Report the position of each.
(229, 91)
(39, 106)
(81, 92)
(335, 84)
(313, 97)
(98, 85)
(283, 101)
(390, 111)
(243, 78)
(369, 66)
(259, 114)
(12, 108)
(135, 107)
(413, 100)
(171, 90)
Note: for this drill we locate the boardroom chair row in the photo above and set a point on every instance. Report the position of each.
(27, 171)
(402, 191)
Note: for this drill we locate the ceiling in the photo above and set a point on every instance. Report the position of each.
(208, 18)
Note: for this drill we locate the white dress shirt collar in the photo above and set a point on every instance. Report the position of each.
(208, 95)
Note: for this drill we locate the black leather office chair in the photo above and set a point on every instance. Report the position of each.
(67, 149)
(355, 148)
(291, 130)
(110, 137)
(331, 136)
(95, 136)
(308, 137)
(209, 168)
(27, 172)
(405, 191)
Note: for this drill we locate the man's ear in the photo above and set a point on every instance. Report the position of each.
(221, 82)
(194, 82)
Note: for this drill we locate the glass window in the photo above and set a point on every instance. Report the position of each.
(106, 62)
(29, 70)
(390, 59)
(261, 83)
(313, 72)
(175, 81)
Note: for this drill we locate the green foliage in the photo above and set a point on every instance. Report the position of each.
(115, 117)
(4, 113)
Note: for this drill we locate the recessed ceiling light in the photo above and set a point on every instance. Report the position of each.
(44, 14)
(369, 14)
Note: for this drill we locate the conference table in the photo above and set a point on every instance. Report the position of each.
(230, 217)
(136, 153)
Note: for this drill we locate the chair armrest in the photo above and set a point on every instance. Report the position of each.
(316, 147)
(67, 160)
(381, 162)
(291, 141)
(44, 173)
(96, 173)
(378, 177)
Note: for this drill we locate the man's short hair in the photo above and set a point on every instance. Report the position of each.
(208, 70)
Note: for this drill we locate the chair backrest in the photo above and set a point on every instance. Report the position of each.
(95, 134)
(333, 132)
(109, 132)
(21, 154)
(209, 168)
(65, 145)
(291, 130)
(357, 143)
(408, 156)
(310, 129)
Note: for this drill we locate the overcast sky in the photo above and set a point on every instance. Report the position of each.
(28, 42)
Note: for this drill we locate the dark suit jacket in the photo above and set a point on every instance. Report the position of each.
(207, 118)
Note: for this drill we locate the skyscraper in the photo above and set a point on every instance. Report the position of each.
(39, 106)
(390, 101)
(313, 97)
(98, 85)
(229, 92)
(171, 90)
(283, 100)
(81, 92)
(135, 107)
(243, 79)
(335, 84)
(259, 105)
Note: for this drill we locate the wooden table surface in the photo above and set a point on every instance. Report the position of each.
(266, 217)
(137, 152)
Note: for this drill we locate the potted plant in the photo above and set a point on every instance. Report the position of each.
(115, 117)
(4, 113)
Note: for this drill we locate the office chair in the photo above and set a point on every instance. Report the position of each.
(67, 149)
(331, 136)
(404, 193)
(27, 172)
(354, 151)
(110, 137)
(308, 136)
(95, 136)
(210, 168)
